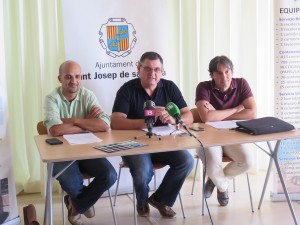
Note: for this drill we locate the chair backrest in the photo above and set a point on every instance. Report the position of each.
(41, 129)
(226, 159)
(196, 115)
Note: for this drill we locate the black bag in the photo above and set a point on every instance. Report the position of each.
(264, 125)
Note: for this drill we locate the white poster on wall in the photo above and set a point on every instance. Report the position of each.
(107, 38)
(287, 91)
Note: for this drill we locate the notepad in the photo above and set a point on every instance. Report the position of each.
(120, 146)
(225, 124)
(82, 138)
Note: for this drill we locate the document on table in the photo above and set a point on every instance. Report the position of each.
(226, 124)
(82, 138)
(164, 130)
(120, 146)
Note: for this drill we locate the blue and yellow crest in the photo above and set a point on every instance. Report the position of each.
(117, 37)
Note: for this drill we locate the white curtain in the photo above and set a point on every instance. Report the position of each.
(202, 29)
(33, 52)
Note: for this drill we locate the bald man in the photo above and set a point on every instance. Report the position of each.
(72, 109)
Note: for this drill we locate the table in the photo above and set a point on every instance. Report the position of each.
(209, 137)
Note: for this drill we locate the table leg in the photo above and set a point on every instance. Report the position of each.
(268, 174)
(48, 204)
(48, 214)
(266, 182)
(283, 183)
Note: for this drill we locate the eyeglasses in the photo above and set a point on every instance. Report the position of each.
(69, 77)
(148, 69)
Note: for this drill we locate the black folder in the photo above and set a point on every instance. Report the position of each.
(264, 125)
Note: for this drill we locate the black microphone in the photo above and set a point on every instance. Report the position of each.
(149, 113)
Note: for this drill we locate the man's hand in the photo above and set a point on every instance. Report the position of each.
(94, 112)
(246, 110)
(166, 118)
(158, 110)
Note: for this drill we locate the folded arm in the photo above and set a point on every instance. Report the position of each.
(244, 111)
(96, 121)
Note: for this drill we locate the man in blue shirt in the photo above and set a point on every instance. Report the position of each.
(72, 109)
(128, 114)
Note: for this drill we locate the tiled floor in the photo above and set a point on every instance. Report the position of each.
(237, 212)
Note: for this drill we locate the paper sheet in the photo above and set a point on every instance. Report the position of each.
(164, 130)
(82, 138)
(226, 124)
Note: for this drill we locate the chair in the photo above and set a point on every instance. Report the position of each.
(196, 116)
(156, 166)
(41, 129)
(225, 158)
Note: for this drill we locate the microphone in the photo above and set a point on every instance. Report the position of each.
(174, 111)
(149, 114)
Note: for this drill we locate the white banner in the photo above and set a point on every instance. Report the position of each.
(107, 38)
(287, 90)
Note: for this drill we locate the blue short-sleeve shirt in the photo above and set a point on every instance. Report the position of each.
(131, 97)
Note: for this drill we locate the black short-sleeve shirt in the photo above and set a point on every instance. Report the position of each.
(131, 97)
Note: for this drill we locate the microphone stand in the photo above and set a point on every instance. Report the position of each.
(178, 129)
(149, 133)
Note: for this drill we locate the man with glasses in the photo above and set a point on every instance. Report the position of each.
(72, 109)
(128, 114)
